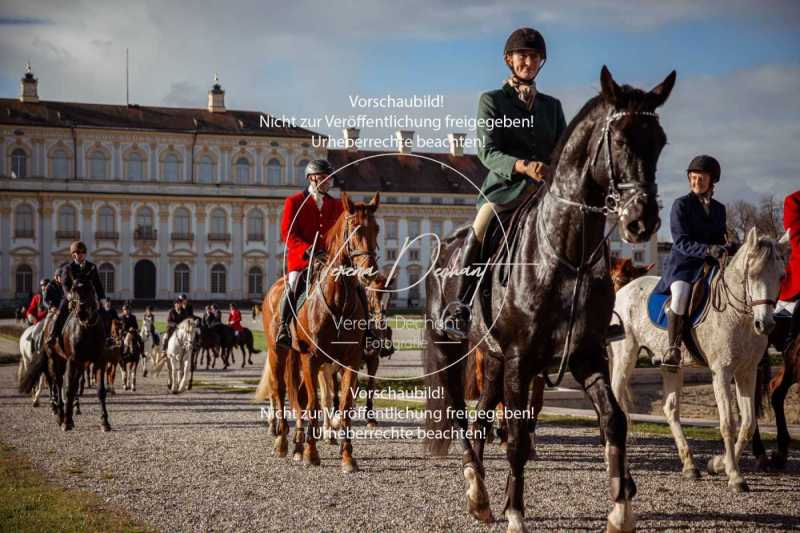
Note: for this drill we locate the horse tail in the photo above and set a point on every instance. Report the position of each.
(263, 391)
(763, 376)
(250, 344)
(36, 368)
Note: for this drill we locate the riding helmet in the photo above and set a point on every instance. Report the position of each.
(705, 163)
(44, 281)
(318, 166)
(77, 247)
(526, 39)
(181, 297)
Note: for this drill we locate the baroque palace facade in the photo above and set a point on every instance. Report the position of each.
(189, 200)
(173, 200)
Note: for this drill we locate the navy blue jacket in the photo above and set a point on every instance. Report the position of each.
(87, 273)
(693, 231)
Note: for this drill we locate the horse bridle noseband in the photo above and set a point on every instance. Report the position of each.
(717, 291)
(357, 253)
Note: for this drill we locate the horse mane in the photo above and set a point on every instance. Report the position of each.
(632, 99)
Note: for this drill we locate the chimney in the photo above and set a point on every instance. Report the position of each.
(28, 86)
(351, 138)
(405, 141)
(456, 141)
(216, 97)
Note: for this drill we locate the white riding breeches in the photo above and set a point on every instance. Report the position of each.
(681, 292)
(294, 275)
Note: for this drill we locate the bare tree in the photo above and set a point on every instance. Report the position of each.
(770, 216)
(742, 215)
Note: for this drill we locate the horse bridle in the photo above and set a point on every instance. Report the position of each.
(76, 303)
(351, 254)
(717, 291)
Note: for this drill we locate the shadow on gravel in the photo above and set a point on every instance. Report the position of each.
(666, 521)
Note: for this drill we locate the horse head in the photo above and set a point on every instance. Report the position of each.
(85, 300)
(760, 266)
(626, 142)
(354, 238)
(623, 271)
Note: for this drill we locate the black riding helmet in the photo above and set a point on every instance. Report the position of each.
(318, 166)
(43, 282)
(526, 39)
(705, 163)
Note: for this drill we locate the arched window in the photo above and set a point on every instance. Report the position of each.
(218, 279)
(67, 219)
(273, 172)
(24, 279)
(106, 271)
(300, 172)
(60, 164)
(219, 222)
(134, 167)
(255, 225)
(205, 170)
(171, 168)
(19, 163)
(182, 224)
(181, 278)
(98, 168)
(106, 221)
(144, 219)
(23, 222)
(242, 171)
(255, 281)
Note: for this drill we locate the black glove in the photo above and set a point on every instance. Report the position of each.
(717, 251)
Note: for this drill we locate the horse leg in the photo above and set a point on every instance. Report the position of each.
(191, 370)
(81, 380)
(491, 391)
(135, 368)
(326, 399)
(592, 374)
(372, 369)
(102, 392)
(745, 379)
(672, 385)
(726, 463)
(784, 382)
(38, 391)
(187, 364)
(347, 388)
(277, 396)
(310, 368)
(175, 368)
(535, 407)
(515, 395)
(72, 389)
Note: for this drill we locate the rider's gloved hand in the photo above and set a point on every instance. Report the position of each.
(717, 251)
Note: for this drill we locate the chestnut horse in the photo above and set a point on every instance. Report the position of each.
(328, 328)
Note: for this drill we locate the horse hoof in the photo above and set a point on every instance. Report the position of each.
(372, 424)
(516, 523)
(611, 528)
(311, 458)
(777, 460)
(351, 467)
(36, 403)
(710, 466)
(106, 427)
(174, 392)
(297, 457)
(692, 474)
(740, 486)
(68, 426)
(281, 447)
(763, 463)
(477, 496)
(144, 374)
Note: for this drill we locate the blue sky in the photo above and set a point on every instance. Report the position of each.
(738, 63)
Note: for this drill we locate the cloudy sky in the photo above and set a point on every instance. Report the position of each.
(738, 63)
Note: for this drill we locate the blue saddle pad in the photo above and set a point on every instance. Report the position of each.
(657, 304)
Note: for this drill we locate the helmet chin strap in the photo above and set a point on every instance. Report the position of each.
(523, 81)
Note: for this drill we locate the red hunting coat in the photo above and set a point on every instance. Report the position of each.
(35, 310)
(790, 287)
(235, 320)
(308, 222)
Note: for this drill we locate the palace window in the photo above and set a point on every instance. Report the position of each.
(255, 281)
(19, 163)
(23, 222)
(134, 167)
(171, 168)
(24, 280)
(205, 169)
(274, 172)
(255, 225)
(218, 276)
(67, 219)
(242, 168)
(181, 222)
(98, 165)
(182, 278)
(106, 221)
(60, 164)
(300, 172)
(106, 271)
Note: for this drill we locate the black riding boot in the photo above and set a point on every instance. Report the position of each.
(284, 337)
(671, 358)
(456, 318)
(63, 312)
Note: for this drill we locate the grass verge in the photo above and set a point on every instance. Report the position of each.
(30, 503)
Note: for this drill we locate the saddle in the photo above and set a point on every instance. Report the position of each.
(699, 305)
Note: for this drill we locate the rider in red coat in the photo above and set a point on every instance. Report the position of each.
(790, 286)
(235, 319)
(37, 310)
(307, 217)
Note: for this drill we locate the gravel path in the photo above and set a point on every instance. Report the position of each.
(202, 461)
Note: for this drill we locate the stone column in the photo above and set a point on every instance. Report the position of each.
(87, 231)
(116, 162)
(162, 275)
(273, 249)
(126, 241)
(199, 282)
(46, 236)
(153, 176)
(81, 159)
(6, 281)
(259, 166)
(224, 161)
(237, 249)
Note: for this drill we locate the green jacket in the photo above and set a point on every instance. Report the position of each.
(500, 147)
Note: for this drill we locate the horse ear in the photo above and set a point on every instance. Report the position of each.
(784, 240)
(347, 203)
(375, 202)
(609, 88)
(659, 94)
(752, 237)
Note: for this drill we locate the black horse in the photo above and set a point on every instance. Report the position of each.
(83, 342)
(244, 341)
(227, 340)
(559, 296)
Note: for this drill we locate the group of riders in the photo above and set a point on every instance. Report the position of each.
(518, 160)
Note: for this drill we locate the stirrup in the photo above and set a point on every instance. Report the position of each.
(449, 326)
(284, 338)
(660, 361)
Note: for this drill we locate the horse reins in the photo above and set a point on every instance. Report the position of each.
(720, 287)
(613, 204)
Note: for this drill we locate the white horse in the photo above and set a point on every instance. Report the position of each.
(26, 356)
(732, 338)
(179, 354)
